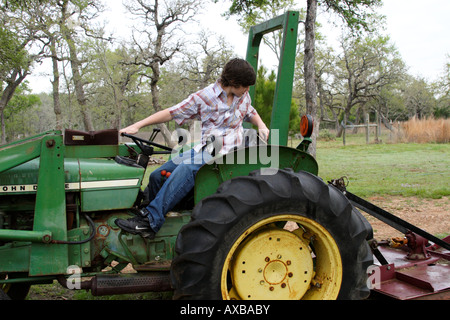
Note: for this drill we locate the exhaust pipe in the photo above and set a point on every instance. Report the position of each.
(103, 285)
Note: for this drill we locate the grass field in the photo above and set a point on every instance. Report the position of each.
(405, 169)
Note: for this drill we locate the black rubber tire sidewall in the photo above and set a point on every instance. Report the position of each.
(220, 219)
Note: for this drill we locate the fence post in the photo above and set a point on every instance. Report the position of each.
(378, 127)
(367, 128)
(343, 130)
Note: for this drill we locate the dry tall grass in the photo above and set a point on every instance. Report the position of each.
(425, 130)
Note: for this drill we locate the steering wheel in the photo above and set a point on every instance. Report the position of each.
(146, 146)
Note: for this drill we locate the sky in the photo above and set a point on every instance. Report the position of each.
(421, 32)
(419, 29)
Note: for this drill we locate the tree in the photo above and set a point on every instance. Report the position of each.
(265, 91)
(46, 19)
(57, 25)
(13, 70)
(201, 64)
(366, 67)
(111, 79)
(13, 120)
(329, 100)
(81, 11)
(390, 104)
(445, 79)
(203, 61)
(352, 12)
(419, 99)
(442, 89)
(157, 45)
(15, 61)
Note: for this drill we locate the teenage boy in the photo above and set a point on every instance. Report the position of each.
(221, 108)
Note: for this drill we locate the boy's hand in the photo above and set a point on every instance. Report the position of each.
(264, 133)
(130, 129)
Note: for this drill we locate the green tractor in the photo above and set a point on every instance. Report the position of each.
(260, 224)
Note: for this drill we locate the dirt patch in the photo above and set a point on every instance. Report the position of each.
(431, 215)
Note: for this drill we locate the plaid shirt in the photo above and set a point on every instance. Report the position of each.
(224, 122)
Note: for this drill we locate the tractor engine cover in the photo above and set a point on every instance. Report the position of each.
(103, 184)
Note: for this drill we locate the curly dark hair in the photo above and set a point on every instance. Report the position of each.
(238, 72)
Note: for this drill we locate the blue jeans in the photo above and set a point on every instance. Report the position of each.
(164, 196)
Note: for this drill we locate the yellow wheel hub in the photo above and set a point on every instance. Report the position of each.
(269, 262)
(268, 267)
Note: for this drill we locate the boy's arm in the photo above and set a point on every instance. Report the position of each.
(262, 128)
(158, 117)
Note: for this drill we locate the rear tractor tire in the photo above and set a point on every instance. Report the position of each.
(281, 236)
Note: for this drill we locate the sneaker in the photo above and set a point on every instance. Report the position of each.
(136, 225)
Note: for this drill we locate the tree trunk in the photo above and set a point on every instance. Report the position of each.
(13, 82)
(310, 74)
(118, 98)
(155, 66)
(3, 126)
(79, 89)
(55, 85)
(158, 51)
(155, 100)
(347, 110)
(75, 65)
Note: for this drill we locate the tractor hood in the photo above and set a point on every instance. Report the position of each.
(103, 184)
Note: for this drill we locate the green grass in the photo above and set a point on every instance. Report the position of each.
(404, 169)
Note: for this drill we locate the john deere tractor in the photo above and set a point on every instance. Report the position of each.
(259, 224)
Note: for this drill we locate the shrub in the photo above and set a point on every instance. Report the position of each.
(326, 135)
